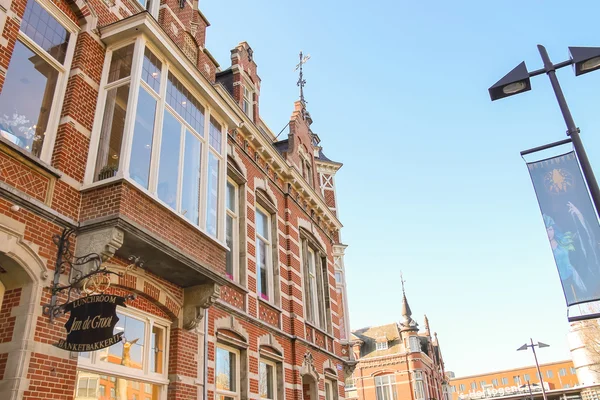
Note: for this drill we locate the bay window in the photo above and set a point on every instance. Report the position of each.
(134, 367)
(152, 129)
(33, 91)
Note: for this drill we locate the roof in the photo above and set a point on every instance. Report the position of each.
(323, 157)
(370, 335)
(281, 146)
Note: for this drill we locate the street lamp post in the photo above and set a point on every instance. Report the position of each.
(584, 60)
(537, 365)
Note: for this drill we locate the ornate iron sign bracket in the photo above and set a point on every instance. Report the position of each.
(86, 274)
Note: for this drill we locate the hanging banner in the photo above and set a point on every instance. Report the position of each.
(571, 224)
(92, 323)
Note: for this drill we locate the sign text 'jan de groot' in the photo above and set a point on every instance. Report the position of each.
(92, 323)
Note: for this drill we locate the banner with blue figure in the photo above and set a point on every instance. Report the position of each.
(571, 224)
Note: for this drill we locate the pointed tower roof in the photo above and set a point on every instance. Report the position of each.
(407, 323)
(426, 321)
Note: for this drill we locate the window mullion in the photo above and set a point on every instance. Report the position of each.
(203, 204)
(134, 89)
(158, 125)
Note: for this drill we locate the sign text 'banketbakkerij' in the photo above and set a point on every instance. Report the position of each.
(571, 224)
(92, 323)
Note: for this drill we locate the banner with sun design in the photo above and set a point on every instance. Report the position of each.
(571, 224)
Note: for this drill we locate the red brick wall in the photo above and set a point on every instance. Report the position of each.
(11, 299)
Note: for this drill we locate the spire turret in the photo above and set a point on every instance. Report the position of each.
(407, 323)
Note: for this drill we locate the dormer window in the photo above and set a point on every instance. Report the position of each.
(247, 102)
(414, 344)
(382, 345)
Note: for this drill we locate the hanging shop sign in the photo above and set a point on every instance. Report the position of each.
(91, 323)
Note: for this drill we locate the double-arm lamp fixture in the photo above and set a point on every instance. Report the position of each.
(583, 60)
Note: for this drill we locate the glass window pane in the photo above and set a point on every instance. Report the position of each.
(328, 391)
(190, 191)
(151, 70)
(111, 133)
(231, 198)
(45, 30)
(185, 104)
(266, 381)
(261, 270)
(229, 240)
(168, 164)
(225, 370)
(106, 387)
(26, 99)
(141, 148)
(213, 194)
(262, 224)
(215, 134)
(130, 353)
(120, 63)
(157, 350)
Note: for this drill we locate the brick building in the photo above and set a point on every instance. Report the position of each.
(516, 381)
(397, 362)
(117, 123)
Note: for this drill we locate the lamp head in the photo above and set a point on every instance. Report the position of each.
(585, 59)
(516, 81)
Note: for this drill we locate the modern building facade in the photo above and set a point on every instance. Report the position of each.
(121, 136)
(397, 362)
(556, 375)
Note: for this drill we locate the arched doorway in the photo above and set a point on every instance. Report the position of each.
(309, 388)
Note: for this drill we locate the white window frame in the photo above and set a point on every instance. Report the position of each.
(413, 344)
(63, 75)
(461, 387)
(273, 378)
(94, 365)
(562, 372)
(329, 390)
(420, 386)
(388, 386)
(313, 277)
(247, 101)
(225, 393)
(495, 382)
(235, 227)
(504, 380)
(381, 345)
(269, 249)
(135, 83)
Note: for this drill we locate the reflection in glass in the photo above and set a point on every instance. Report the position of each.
(120, 63)
(102, 387)
(168, 164)
(213, 194)
(157, 351)
(225, 371)
(111, 133)
(190, 191)
(185, 104)
(26, 99)
(230, 197)
(130, 352)
(45, 30)
(261, 270)
(141, 149)
(151, 70)
(262, 225)
(229, 241)
(214, 131)
(266, 381)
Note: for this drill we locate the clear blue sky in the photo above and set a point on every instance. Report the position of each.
(432, 183)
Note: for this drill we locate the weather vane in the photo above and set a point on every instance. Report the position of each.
(301, 80)
(402, 281)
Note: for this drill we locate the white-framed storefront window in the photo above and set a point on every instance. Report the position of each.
(133, 368)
